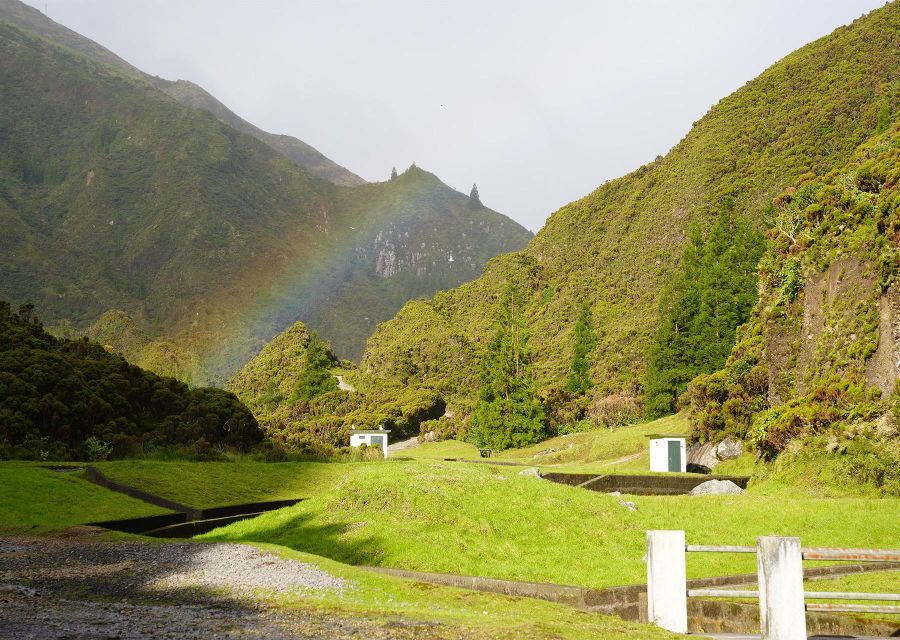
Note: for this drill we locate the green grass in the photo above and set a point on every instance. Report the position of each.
(441, 450)
(603, 451)
(480, 615)
(598, 451)
(211, 484)
(489, 521)
(36, 500)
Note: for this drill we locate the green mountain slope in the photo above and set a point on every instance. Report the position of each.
(617, 248)
(115, 196)
(187, 93)
(814, 372)
(318, 418)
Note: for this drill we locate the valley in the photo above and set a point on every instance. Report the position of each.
(246, 393)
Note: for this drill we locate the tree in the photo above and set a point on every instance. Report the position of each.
(507, 413)
(316, 378)
(700, 312)
(579, 381)
(394, 173)
(474, 194)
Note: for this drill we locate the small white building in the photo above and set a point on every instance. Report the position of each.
(668, 453)
(370, 438)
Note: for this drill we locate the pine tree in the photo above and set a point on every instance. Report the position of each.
(579, 381)
(474, 194)
(394, 173)
(701, 310)
(316, 378)
(508, 413)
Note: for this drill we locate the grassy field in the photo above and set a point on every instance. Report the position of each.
(35, 499)
(622, 450)
(490, 521)
(211, 484)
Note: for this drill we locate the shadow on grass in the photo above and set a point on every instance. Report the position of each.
(338, 541)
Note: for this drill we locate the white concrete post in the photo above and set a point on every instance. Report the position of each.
(667, 580)
(782, 614)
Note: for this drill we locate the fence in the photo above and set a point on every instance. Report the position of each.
(782, 600)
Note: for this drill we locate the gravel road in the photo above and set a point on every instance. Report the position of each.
(76, 588)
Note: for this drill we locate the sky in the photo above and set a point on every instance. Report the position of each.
(538, 102)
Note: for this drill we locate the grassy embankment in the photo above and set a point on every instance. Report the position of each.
(471, 519)
(39, 500)
(489, 521)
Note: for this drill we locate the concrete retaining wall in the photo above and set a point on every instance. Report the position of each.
(639, 484)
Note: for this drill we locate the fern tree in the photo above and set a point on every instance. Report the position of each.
(316, 378)
(508, 413)
(579, 381)
(700, 312)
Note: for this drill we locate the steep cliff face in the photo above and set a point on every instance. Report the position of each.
(415, 236)
(815, 370)
(618, 247)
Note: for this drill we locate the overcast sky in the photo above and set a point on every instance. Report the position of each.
(539, 102)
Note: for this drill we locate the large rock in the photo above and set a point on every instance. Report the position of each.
(716, 487)
(729, 449)
(702, 455)
(531, 472)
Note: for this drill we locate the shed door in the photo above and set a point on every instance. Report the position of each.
(674, 455)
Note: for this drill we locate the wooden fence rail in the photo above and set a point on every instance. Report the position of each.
(782, 600)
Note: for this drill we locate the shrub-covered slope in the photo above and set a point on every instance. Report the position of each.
(65, 399)
(815, 369)
(618, 247)
(114, 196)
(290, 388)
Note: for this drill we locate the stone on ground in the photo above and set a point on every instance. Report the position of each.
(716, 487)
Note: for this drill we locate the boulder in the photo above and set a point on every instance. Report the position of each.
(729, 449)
(702, 455)
(628, 504)
(531, 472)
(716, 487)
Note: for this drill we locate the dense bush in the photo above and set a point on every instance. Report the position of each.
(65, 399)
(798, 374)
(614, 410)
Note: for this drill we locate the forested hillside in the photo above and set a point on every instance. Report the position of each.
(71, 399)
(814, 372)
(620, 247)
(291, 387)
(113, 196)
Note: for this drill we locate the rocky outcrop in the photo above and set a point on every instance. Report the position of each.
(704, 457)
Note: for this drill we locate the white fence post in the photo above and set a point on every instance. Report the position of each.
(667, 580)
(782, 614)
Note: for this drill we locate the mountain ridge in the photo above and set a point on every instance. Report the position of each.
(184, 91)
(116, 196)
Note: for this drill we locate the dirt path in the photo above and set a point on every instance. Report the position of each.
(403, 445)
(55, 588)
